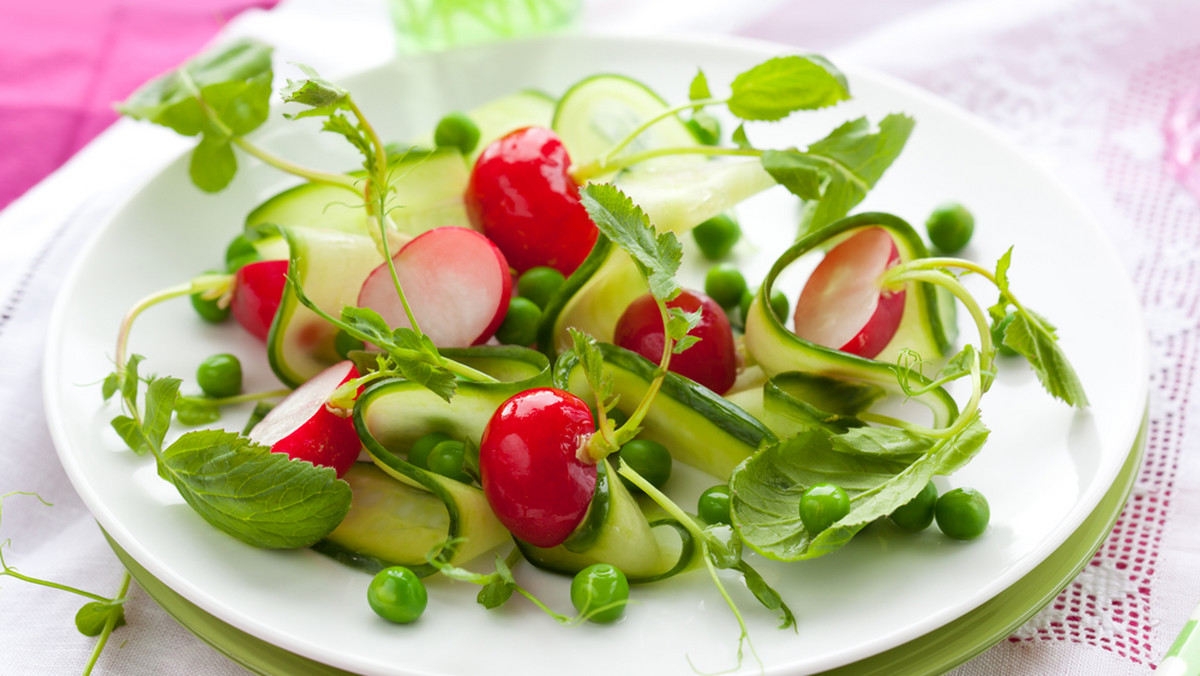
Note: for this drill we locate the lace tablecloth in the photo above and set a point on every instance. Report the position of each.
(1105, 93)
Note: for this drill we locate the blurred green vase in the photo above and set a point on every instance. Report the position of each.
(430, 25)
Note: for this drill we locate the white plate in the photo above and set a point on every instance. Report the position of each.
(1044, 469)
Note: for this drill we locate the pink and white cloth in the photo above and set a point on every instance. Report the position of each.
(1106, 93)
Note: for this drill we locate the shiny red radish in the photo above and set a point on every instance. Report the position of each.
(457, 284)
(712, 362)
(303, 428)
(531, 473)
(843, 305)
(257, 290)
(522, 197)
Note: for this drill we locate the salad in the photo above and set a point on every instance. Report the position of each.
(487, 349)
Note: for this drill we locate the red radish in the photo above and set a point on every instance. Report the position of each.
(302, 427)
(843, 306)
(257, 290)
(457, 284)
(532, 476)
(712, 362)
(522, 197)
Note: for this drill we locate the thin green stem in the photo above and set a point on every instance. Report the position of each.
(197, 285)
(109, 625)
(586, 172)
(240, 398)
(696, 104)
(47, 583)
(633, 425)
(921, 273)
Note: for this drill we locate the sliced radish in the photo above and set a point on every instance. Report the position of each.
(457, 284)
(302, 427)
(842, 305)
(257, 290)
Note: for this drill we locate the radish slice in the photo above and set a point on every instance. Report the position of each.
(257, 290)
(456, 281)
(842, 305)
(302, 427)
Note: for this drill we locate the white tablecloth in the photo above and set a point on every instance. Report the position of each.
(1086, 86)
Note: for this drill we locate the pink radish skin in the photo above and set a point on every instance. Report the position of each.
(842, 305)
(304, 429)
(456, 281)
(257, 290)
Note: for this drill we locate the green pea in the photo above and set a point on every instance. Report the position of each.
(822, 505)
(998, 329)
(539, 284)
(962, 513)
(344, 344)
(207, 308)
(779, 304)
(648, 458)
(716, 236)
(418, 453)
(220, 376)
(713, 505)
(397, 595)
(239, 253)
(520, 324)
(916, 514)
(725, 284)
(600, 585)
(458, 131)
(950, 227)
(447, 459)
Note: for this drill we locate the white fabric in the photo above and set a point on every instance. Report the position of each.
(1083, 85)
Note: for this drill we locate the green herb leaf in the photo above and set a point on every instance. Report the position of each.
(803, 176)
(766, 489)
(91, 618)
(112, 383)
(193, 411)
(680, 325)
(262, 498)
(776, 88)
(261, 409)
(699, 87)
(657, 254)
(320, 95)
(766, 594)
(1033, 339)
(739, 137)
(213, 164)
(592, 361)
(854, 158)
(418, 360)
(495, 593)
(160, 402)
(131, 433)
(130, 380)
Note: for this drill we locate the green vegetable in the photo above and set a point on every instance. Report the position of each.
(916, 514)
(962, 513)
(240, 252)
(458, 131)
(600, 592)
(999, 329)
(950, 227)
(397, 595)
(209, 309)
(418, 453)
(717, 236)
(446, 458)
(344, 344)
(713, 504)
(539, 284)
(520, 323)
(220, 375)
(823, 505)
(649, 458)
(725, 284)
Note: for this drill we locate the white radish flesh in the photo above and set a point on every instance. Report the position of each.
(843, 305)
(457, 284)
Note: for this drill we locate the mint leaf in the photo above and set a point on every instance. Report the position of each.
(131, 433)
(213, 164)
(160, 402)
(776, 88)
(802, 175)
(657, 255)
(699, 87)
(1033, 339)
(854, 158)
(91, 618)
(766, 489)
(592, 362)
(194, 411)
(739, 137)
(262, 498)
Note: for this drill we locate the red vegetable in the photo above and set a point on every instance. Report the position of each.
(304, 428)
(529, 465)
(712, 362)
(257, 290)
(456, 281)
(522, 197)
(843, 306)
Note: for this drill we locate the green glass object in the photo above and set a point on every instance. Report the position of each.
(432, 25)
